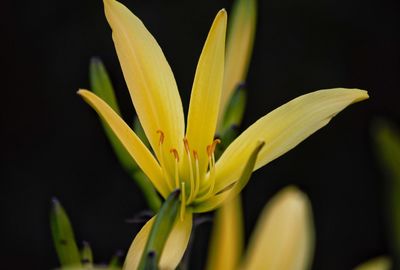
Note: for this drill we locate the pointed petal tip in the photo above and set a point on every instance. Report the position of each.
(294, 192)
(222, 15)
(176, 192)
(95, 60)
(55, 201)
(293, 196)
(260, 144)
(81, 92)
(359, 94)
(362, 94)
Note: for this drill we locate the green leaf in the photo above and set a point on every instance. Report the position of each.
(115, 262)
(63, 236)
(86, 255)
(387, 142)
(151, 261)
(101, 86)
(160, 231)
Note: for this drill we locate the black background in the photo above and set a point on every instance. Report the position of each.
(53, 144)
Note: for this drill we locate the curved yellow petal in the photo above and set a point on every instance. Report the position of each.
(227, 237)
(284, 128)
(149, 78)
(206, 91)
(174, 247)
(217, 199)
(129, 140)
(379, 263)
(239, 46)
(284, 234)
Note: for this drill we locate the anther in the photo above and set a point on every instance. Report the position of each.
(186, 143)
(211, 148)
(161, 141)
(175, 153)
(214, 144)
(195, 155)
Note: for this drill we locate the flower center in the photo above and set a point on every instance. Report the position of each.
(185, 174)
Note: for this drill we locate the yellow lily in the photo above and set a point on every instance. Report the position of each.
(282, 240)
(186, 160)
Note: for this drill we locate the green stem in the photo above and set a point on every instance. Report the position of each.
(160, 230)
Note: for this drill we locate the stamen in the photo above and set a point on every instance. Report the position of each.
(162, 161)
(161, 141)
(173, 150)
(211, 148)
(209, 152)
(214, 144)
(186, 143)
(211, 178)
(196, 162)
(191, 177)
(212, 174)
(183, 201)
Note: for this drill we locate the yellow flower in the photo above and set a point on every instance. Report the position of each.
(378, 263)
(185, 159)
(282, 240)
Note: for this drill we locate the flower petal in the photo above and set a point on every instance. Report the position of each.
(232, 191)
(174, 247)
(241, 30)
(206, 91)
(129, 140)
(283, 129)
(378, 263)
(284, 234)
(149, 78)
(227, 237)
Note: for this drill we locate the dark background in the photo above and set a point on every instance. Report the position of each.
(53, 144)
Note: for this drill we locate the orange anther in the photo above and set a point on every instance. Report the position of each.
(214, 144)
(186, 143)
(175, 152)
(161, 136)
(195, 155)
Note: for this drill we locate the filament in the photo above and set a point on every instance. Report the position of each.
(183, 200)
(191, 177)
(175, 153)
(196, 162)
(162, 161)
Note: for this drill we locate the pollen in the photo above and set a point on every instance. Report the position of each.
(186, 144)
(175, 153)
(161, 141)
(211, 148)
